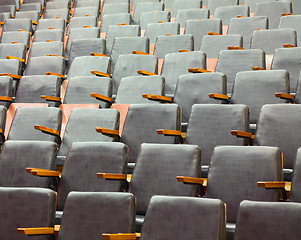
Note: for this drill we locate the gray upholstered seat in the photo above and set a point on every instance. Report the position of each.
(234, 172)
(2, 117)
(209, 126)
(135, 2)
(12, 25)
(153, 30)
(295, 193)
(266, 220)
(189, 14)
(153, 17)
(11, 67)
(114, 19)
(252, 3)
(6, 90)
(62, 13)
(32, 15)
(90, 3)
(16, 156)
(57, 4)
(226, 13)
(16, 36)
(79, 22)
(86, 10)
(31, 7)
(15, 50)
(292, 22)
(29, 206)
(156, 170)
(214, 4)
(48, 35)
(114, 8)
(182, 4)
(11, 9)
(45, 24)
(146, 7)
(39, 49)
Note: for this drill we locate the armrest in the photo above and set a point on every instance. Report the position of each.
(98, 54)
(235, 48)
(239, 16)
(286, 45)
(280, 184)
(50, 98)
(145, 73)
(174, 133)
(100, 74)
(101, 97)
(108, 132)
(6, 99)
(243, 134)
(31, 169)
(49, 41)
(20, 59)
(47, 130)
(286, 14)
(112, 176)
(139, 52)
(190, 180)
(286, 96)
(213, 33)
(36, 231)
(119, 236)
(11, 75)
(2, 137)
(86, 26)
(34, 22)
(198, 70)
(122, 24)
(158, 98)
(53, 55)
(257, 68)
(183, 50)
(44, 173)
(51, 28)
(219, 96)
(56, 74)
(1, 23)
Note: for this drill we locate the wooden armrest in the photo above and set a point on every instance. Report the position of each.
(36, 231)
(191, 180)
(286, 96)
(53, 55)
(2, 23)
(280, 184)
(235, 48)
(183, 50)
(145, 73)
(219, 96)
(166, 132)
(47, 130)
(86, 26)
(45, 173)
(241, 134)
(287, 45)
(56, 74)
(160, 21)
(20, 59)
(49, 41)
(98, 54)
(31, 169)
(168, 34)
(213, 33)
(101, 97)
(11, 75)
(50, 98)
(119, 236)
(257, 68)
(100, 74)
(286, 14)
(6, 99)
(108, 132)
(157, 98)
(51, 28)
(239, 16)
(140, 53)
(114, 176)
(122, 24)
(198, 70)
(34, 22)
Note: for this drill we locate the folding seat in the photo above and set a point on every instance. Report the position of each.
(273, 11)
(39, 49)
(146, 7)
(153, 17)
(2, 115)
(266, 220)
(213, 44)
(135, 2)
(120, 31)
(12, 25)
(35, 1)
(16, 37)
(86, 11)
(200, 28)
(115, 1)
(231, 62)
(225, 14)
(11, 2)
(214, 4)
(168, 4)
(11, 68)
(292, 22)
(245, 26)
(32, 15)
(58, 4)
(288, 59)
(126, 45)
(31, 7)
(268, 132)
(237, 167)
(3, 17)
(101, 213)
(114, 8)
(6, 93)
(114, 19)
(252, 4)
(79, 22)
(29, 206)
(46, 24)
(80, 4)
(11, 51)
(62, 13)
(50, 35)
(182, 4)
(8, 8)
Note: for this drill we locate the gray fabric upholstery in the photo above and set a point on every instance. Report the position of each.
(231, 62)
(213, 44)
(156, 170)
(32, 15)
(16, 156)
(135, 2)
(213, 4)
(30, 89)
(172, 44)
(125, 45)
(153, 17)
(245, 26)
(200, 28)
(120, 31)
(257, 88)
(194, 88)
(26, 207)
(12, 66)
(44, 64)
(11, 2)
(210, 125)
(292, 22)
(188, 14)
(295, 194)
(31, 7)
(6, 90)
(287, 137)
(200, 219)
(183, 4)
(35, 1)
(114, 8)
(142, 122)
(252, 3)
(2, 117)
(79, 22)
(99, 212)
(114, 19)
(237, 167)
(265, 220)
(12, 25)
(153, 30)
(272, 10)
(146, 7)
(226, 13)
(82, 66)
(57, 4)
(50, 34)
(80, 4)
(45, 24)
(290, 60)
(79, 89)
(57, 13)
(20, 37)
(15, 50)
(130, 89)
(4, 16)
(176, 64)
(22, 127)
(128, 64)
(81, 127)
(84, 11)
(39, 49)
(84, 160)
(8, 8)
